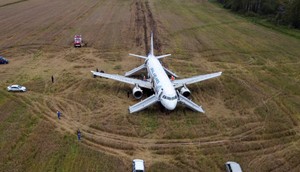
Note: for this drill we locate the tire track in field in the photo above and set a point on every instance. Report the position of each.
(242, 142)
(79, 18)
(144, 24)
(128, 146)
(68, 107)
(12, 3)
(54, 24)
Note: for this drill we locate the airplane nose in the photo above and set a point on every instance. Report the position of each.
(171, 105)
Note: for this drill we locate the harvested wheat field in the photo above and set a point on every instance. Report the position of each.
(252, 110)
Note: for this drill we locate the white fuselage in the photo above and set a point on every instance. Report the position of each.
(162, 85)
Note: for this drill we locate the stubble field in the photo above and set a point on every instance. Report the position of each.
(252, 110)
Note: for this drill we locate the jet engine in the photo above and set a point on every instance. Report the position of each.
(137, 92)
(185, 91)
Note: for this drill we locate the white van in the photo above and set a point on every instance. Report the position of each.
(233, 167)
(138, 165)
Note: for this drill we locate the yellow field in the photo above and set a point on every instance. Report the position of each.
(252, 110)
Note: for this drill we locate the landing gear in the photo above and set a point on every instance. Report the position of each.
(164, 110)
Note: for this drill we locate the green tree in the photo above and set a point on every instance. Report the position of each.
(292, 14)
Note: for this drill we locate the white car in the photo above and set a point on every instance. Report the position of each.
(16, 88)
(233, 167)
(138, 165)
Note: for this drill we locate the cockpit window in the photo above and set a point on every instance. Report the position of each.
(169, 98)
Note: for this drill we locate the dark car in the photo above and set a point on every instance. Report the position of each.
(3, 60)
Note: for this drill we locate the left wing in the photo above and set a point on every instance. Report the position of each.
(189, 103)
(181, 82)
(143, 104)
(141, 83)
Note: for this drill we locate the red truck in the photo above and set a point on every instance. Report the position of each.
(78, 41)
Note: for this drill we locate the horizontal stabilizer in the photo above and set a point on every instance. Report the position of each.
(170, 72)
(135, 70)
(143, 57)
(162, 56)
(189, 103)
(143, 104)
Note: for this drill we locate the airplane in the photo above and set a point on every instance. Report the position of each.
(167, 91)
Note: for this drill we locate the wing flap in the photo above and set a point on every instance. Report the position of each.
(132, 81)
(185, 101)
(135, 70)
(170, 72)
(143, 104)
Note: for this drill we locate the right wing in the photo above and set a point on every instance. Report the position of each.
(143, 104)
(189, 103)
(132, 81)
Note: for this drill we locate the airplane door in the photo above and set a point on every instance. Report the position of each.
(160, 93)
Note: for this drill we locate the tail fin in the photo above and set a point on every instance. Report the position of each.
(152, 46)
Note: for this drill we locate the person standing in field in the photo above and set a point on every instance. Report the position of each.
(58, 114)
(78, 134)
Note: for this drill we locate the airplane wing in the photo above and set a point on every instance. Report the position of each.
(181, 82)
(143, 104)
(135, 70)
(132, 81)
(170, 72)
(189, 103)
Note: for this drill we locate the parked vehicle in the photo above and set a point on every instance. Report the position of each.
(78, 42)
(233, 167)
(3, 60)
(138, 165)
(16, 88)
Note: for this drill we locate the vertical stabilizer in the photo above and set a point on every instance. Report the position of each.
(151, 48)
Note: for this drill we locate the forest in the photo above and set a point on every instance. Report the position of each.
(283, 12)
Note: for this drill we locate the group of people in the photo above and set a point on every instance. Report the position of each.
(59, 113)
(78, 131)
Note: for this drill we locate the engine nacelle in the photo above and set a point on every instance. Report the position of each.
(185, 91)
(137, 92)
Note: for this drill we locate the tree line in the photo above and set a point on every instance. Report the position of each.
(286, 12)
